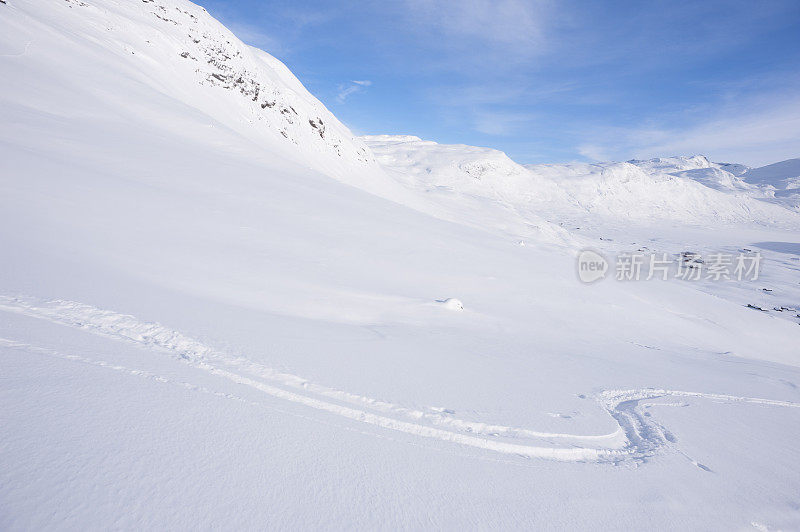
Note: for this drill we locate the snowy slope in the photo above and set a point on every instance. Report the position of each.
(782, 175)
(669, 165)
(183, 57)
(775, 183)
(780, 181)
(693, 196)
(720, 176)
(476, 186)
(688, 163)
(689, 190)
(207, 324)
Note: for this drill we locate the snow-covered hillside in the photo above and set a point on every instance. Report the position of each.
(218, 310)
(780, 180)
(688, 190)
(782, 175)
(476, 186)
(776, 183)
(721, 176)
(147, 60)
(644, 192)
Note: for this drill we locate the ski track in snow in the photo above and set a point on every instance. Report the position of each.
(20, 54)
(636, 438)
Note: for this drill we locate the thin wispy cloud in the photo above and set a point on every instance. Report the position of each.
(350, 88)
(504, 22)
(502, 123)
(254, 36)
(496, 109)
(476, 94)
(768, 131)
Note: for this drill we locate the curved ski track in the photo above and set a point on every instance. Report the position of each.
(636, 437)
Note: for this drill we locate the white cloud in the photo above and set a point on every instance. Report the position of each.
(500, 123)
(492, 107)
(352, 87)
(768, 131)
(253, 36)
(519, 23)
(594, 152)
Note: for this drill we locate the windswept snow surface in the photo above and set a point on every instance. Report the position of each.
(785, 174)
(208, 323)
(780, 180)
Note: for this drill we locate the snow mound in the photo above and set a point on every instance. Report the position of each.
(451, 303)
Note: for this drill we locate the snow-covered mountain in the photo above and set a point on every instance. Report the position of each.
(689, 190)
(153, 60)
(653, 190)
(720, 176)
(472, 185)
(782, 175)
(776, 183)
(779, 180)
(218, 309)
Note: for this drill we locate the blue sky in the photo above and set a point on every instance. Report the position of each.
(548, 81)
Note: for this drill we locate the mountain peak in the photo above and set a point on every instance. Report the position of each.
(181, 51)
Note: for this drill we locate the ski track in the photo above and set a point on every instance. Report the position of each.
(20, 54)
(637, 436)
